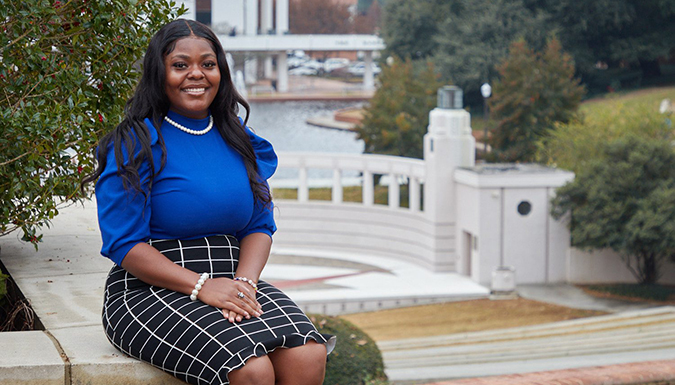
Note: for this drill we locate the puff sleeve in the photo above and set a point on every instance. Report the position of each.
(123, 215)
(262, 220)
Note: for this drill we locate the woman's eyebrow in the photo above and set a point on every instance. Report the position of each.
(187, 57)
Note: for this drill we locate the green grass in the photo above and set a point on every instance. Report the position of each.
(349, 194)
(635, 291)
(649, 98)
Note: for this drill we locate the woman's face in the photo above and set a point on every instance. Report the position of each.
(192, 77)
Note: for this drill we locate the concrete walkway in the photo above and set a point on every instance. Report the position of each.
(64, 281)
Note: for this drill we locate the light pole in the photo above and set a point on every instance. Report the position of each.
(486, 91)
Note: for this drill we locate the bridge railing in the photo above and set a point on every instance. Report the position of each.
(367, 166)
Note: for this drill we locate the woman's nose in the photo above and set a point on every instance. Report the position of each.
(196, 73)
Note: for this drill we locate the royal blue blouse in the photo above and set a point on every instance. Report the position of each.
(203, 190)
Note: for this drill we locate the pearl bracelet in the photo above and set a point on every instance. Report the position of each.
(198, 286)
(249, 281)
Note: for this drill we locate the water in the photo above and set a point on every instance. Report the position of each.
(284, 125)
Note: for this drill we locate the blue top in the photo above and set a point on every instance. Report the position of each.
(203, 190)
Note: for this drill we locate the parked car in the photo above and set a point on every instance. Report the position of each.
(314, 64)
(335, 63)
(294, 61)
(303, 71)
(359, 69)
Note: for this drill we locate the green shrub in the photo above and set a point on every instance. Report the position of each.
(67, 69)
(645, 292)
(356, 359)
(575, 145)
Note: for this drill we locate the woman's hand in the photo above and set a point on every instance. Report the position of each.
(223, 293)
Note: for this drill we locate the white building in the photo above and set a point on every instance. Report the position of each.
(261, 33)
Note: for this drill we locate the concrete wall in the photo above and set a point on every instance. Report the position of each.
(606, 266)
(355, 228)
(487, 216)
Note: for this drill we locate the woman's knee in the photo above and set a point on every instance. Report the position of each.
(304, 364)
(256, 371)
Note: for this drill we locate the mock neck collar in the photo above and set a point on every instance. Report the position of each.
(196, 124)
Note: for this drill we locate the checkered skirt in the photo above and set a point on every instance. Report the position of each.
(189, 339)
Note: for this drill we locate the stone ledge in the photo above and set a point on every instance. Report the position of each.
(643, 373)
(30, 358)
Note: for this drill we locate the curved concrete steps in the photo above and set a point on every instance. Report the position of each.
(616, 338)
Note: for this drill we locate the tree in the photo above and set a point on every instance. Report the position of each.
(575, 144)
(67, 69)
(397, 117)
(368, 21)
(535, 91)
(409, 28)
(626, 202)
(617, 32)
(319, 17)
(472, 42)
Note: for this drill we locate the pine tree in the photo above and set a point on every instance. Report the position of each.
(535, 91)
(398, 115)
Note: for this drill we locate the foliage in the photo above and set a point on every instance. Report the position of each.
(409, 28)
(616, 32)
(535, 91)
(574, 145)
(608, 39)
(625, 201)
(368, 21)
(67, 69)
(318, 17)
(3, 286)
(642, 292)
(472, 43)
(397, 117)
(356, 359)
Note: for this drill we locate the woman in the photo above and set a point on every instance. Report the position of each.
(180, 172)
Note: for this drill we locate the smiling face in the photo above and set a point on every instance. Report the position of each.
(192, 77)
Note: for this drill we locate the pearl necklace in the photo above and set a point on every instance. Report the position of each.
(189, 131)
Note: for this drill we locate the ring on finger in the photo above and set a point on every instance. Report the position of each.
(240, 295)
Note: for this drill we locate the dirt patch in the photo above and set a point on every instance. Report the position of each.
(461, 317)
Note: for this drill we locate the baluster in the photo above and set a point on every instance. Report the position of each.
(414, 194)
(368, 198)
(394, 192)
(337, 186)
(303, 190)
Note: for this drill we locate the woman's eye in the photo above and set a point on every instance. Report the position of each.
(209, 64)
(179, 65)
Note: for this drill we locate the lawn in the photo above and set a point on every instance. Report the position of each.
(460, 317)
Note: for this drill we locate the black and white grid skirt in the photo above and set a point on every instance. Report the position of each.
(189, 339)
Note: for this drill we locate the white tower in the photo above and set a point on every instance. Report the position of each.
(448, 145)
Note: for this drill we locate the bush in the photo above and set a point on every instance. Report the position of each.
(67, 69)
(575, 145)
(356, 359)
(637, 291)
(625, 200)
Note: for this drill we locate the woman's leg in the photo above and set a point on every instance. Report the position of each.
(257, 371)
(301, 365)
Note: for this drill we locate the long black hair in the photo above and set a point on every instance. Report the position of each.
(150, 101)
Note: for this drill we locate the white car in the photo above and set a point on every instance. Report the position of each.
(314, 64)
(359, 69)
(294, 62)
(303, 71)
(335, 63)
